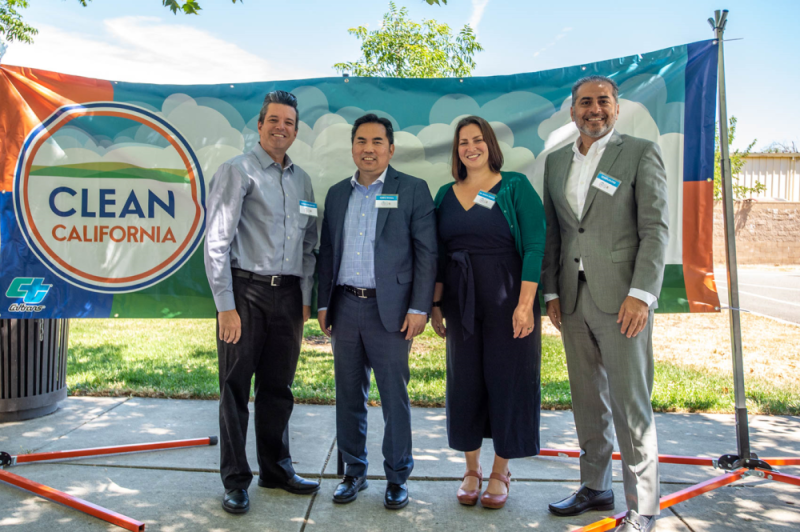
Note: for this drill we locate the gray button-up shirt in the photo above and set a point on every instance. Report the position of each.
(254, 223)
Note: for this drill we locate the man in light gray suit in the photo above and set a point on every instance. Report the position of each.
(605, 200)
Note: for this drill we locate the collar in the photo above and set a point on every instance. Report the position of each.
(600, 144)
(266, 161)
(381, 178)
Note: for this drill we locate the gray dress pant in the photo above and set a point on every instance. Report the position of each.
(611, 377)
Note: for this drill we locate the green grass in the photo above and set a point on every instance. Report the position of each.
(177, 358)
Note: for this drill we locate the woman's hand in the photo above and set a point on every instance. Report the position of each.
(437, 322)
(523, 320)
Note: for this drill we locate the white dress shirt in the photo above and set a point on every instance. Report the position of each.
(578, 182)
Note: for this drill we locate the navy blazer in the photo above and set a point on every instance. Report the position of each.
(405, 248)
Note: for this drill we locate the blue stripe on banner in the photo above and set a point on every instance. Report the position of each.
(699, 111)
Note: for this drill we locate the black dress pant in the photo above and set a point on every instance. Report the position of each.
(272, 330)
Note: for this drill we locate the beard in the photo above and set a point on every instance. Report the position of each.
(596, 134)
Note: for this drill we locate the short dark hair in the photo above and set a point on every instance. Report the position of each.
(457, 168)
(283, 98)
(372, 118)
(595, 79)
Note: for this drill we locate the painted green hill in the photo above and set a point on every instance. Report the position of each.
(112, 171)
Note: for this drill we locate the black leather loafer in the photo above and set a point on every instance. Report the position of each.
(348, 489)
(583, 501)
(297, 485)
(396, 496)
(236, 502)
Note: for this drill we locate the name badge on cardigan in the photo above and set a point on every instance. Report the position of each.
(386, 201)
(606, 183)
(484, 199)
(308, 208)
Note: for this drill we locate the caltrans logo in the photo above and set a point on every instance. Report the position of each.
(31, 290)
(109, 196)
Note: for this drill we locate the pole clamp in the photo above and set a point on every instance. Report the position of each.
(729, 462)
(6, 459)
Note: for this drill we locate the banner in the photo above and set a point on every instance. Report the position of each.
(102, 210)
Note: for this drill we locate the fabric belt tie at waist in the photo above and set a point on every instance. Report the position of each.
(272, 280)
(466, 291)
(466, 287)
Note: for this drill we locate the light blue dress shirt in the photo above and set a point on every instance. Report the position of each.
(361, 219)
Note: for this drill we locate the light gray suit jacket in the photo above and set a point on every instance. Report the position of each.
(622, 239)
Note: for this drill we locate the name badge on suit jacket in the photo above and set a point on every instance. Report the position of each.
(606, 183)
(485, 199)
(386, 201)
(308, 208)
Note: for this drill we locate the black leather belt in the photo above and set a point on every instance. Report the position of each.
(581, 275)
(272, 280)
(363, 293)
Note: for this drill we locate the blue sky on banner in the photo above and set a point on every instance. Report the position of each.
(261, 41)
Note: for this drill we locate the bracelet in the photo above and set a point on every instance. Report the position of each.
(436, 304)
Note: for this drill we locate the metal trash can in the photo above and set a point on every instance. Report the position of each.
(33, 367)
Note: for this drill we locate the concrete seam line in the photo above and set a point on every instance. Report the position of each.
(104, 412)
(682, 520)
(314, 496)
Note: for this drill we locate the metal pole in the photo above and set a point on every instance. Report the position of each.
(742, 431)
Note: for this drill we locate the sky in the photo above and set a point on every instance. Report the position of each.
(262, 40)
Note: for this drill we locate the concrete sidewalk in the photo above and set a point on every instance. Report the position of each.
(180, 490)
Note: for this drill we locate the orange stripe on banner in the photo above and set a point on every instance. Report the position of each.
(29, 96)
(698, 246)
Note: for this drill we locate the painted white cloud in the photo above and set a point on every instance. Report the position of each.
(148, 49)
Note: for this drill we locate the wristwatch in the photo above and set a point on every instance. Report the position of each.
(436, 304)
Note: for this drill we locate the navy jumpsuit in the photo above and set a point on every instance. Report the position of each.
(493, 380)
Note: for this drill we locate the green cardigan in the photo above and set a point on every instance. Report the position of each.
(524, 212)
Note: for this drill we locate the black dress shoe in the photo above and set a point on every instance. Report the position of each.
(297, 485)
(348, 489)
(236, 502)
(396, 496)
(583, 501)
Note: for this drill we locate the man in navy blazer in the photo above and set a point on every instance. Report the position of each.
(377, 269)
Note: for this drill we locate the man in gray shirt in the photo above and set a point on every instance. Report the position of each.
(260, 238)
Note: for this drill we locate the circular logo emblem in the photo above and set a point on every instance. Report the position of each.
(109, 196)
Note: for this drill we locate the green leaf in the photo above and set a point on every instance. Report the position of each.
(403, 48)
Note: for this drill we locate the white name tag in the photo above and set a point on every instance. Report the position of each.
(484, 199)
(386, 201)
(308, 208)
(606, 183)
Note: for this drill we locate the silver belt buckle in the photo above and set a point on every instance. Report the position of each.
(361, 293)
(272, 281)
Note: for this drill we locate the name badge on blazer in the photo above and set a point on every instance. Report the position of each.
(308, 208)
(606, 183)
(484, 199)
(386, 201)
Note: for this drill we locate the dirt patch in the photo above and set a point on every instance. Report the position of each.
(771, 349)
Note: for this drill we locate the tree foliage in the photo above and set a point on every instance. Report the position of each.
(402, 48)
(738, 159)
(12, 28)
(780, 147)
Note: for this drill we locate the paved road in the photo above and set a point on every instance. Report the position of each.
(770, 292)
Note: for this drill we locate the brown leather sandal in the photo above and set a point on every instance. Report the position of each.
(497, 501)
(470, 498)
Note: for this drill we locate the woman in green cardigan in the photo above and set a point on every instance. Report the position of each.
(491, 243)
